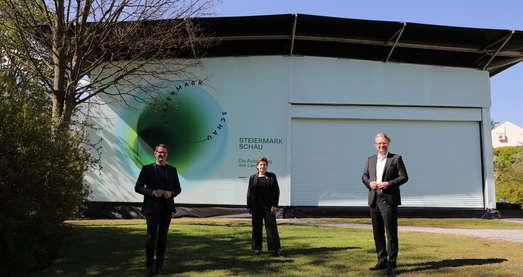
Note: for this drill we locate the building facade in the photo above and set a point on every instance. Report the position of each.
(310, 93)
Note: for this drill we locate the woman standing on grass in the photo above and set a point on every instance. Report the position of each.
(262, 201)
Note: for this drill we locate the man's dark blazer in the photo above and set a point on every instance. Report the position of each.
(268, 197)
(394, 172)
(149, 180)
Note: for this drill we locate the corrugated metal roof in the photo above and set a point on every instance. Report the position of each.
(403, 42)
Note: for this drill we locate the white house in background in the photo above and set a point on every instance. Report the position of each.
(507, 134)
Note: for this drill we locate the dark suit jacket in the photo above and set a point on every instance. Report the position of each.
(149, 180)
(258, 197)
(394, 172)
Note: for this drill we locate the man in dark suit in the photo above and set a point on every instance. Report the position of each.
(159, 184)
(383, 174)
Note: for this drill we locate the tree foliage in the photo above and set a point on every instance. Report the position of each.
(56, 55)
(41, 183)
(78, 49)
(508, 167)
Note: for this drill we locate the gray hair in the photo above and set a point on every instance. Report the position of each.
(382, 135)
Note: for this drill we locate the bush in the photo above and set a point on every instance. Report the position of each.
(41, 183)
(505, 157)
(508, 167)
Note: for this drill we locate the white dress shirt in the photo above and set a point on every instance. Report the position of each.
(380, 166)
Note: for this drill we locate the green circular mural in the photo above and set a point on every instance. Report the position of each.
(190, 122)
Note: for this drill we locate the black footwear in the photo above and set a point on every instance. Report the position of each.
(149, 272)
(158, 269)
(276, 253)
(391, 265)
(256, 252)
(379, 266)
(391, 269)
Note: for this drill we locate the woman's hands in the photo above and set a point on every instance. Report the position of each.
(159, 193)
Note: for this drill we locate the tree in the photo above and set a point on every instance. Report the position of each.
(41, 183)
(508, 167)
(78, 49)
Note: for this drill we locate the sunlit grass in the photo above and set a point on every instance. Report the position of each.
(465, 223)
(221, 247)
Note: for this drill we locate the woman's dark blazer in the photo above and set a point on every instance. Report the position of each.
(261, 199)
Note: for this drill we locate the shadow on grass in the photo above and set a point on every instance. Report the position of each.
(119, 251)
(315, 251)
(232, 253)
(99, 251)
(448, 263)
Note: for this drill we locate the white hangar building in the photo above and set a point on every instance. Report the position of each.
(310, 92)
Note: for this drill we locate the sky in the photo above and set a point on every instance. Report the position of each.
(506, 87)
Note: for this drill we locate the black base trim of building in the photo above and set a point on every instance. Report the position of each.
(129, 210)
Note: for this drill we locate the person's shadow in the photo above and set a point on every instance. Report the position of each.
(447, 263)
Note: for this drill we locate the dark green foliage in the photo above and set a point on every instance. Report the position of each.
(505, 157)
(41, 182)
(508, 166)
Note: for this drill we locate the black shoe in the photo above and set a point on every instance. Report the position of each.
(391, 269)
(379, 266)
(158, 269)
(276, 253)
(149, 272)
(391, 265)
(256, 252)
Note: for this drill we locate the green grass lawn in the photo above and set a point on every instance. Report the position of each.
(464, 223)
(105, 248)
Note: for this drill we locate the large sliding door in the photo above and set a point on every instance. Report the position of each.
(442, 156)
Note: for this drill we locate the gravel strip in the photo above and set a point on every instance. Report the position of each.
(495, 234)
(514, 220)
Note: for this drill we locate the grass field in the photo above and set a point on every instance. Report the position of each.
(465, 223)
(221, 247)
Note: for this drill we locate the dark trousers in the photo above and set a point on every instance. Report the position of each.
(273, 239)
(385, 220)
(157, 228)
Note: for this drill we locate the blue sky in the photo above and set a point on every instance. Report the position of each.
(506, 87)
